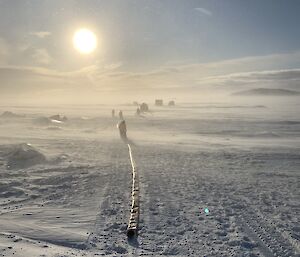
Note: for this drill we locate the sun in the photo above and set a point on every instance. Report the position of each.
(85, 41)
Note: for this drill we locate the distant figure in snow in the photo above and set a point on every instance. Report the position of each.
(121, 115)
(138, 112)
(122, 129)
(113, 113)
(144, 107)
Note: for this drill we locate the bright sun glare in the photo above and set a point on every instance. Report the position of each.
(85, 41)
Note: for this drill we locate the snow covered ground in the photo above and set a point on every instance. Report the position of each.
(217, 179)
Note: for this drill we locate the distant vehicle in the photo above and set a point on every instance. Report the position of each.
(171, 103)
(159, 102)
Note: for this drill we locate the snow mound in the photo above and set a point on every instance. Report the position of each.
(43, 121)
(264, 134)
(267, 134)
(267, 92)
(53, 120)
(58, 118)
(54, 128)
(23, 156)
(9, 115)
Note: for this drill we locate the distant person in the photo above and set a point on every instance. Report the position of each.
(144, 107)
(138, 112)
(113, 113)
(121, 115)
(122, 129)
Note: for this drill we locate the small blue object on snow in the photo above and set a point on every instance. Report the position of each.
(206, 210)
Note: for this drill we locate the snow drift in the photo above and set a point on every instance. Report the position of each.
(23, 156)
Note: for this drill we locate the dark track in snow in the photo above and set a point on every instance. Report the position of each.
(268, 239)
(111, 221)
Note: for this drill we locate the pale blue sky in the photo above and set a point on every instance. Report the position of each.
(143, 43)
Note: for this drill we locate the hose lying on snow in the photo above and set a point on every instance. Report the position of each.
(132, 229)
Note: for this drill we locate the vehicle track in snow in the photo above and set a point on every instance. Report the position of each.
(270, 241)
(172, 194)
(175, 186)
(111, 221)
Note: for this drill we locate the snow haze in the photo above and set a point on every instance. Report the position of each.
(215, 179)
(149, 128)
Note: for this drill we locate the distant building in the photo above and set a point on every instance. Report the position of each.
(159, 102)
(171, 103)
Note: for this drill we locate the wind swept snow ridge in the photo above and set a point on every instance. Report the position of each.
(23, 156)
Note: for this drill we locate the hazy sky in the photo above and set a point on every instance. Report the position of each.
(146, 47)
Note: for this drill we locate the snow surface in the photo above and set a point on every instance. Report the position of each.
(217, 179)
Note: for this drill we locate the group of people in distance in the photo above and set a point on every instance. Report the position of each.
(122, 124)
(121, 117)
(113, 114)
